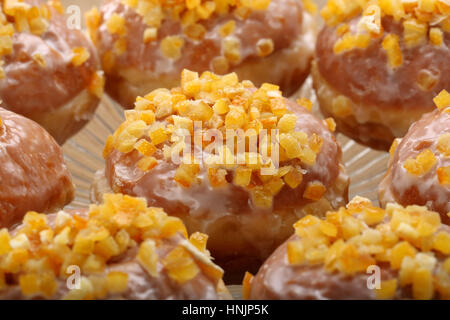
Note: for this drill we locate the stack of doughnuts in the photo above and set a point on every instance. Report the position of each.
(145, 45)
(232, 201)
(48, 72)
(379, 64)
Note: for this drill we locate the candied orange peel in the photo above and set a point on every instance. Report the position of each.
(191, 14)
(38, 255)
(442, 100)
(20, 16)
(409, 239)
(422, 164)
(422, 20)
(237, 110)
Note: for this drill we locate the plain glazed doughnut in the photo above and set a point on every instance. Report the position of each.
(33, 174)
(336, 257)
(379, 64)
(49, 73)
(145, 45)
(245, 212)
(419, 168)
(122, 249)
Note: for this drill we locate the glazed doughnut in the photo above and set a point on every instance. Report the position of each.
(379, 64)
(33, 174)
(336, 257)
(49, 73)
(224, 191)
(145, 45)
(419, 168)
(122, 249)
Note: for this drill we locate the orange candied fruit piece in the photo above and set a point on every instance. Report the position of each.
(441, 242)
(443, 174)
(180, 266)
(29, 284)
(227, 28)
(296, 252)
(415, 32)
(331, 124)
(349, 42)
(150, 34)
(5, 239)
(195, 31)
(442, 100)
(422, 285)
(264, 47)
(443, 144)
(148, 257)
(186, 174)
(171, 47)
(232, 49)
(314, 191)
(261, 197)
(387, 289)
(217, 177)
(399, 252)
(242, 176)
(436, 36)
(80, 56)
(158, 136)
(328, 228)
(147, 163)
(293, 178)
(199, 240)
(246, 285)
(422, 164)
(145, 148)
(394, 53)
(116, 24)
(305, 103)
(117, 282)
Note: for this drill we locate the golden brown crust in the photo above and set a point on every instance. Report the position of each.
(405, 186)
(33, 173)
(289, 27)
(41, 81)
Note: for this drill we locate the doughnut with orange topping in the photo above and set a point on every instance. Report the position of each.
(120, 249)
(419, 168)
(379, 64)
(33, 175)
(359, 252)
(234, 161)
(144, 45)
(48, 72)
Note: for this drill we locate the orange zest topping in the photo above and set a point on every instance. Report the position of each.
(393, 51)
(423, 163)
(37, 257)
(442, 100)
(246, 285)
(349, 240)
(417, 17)
(161, 126)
